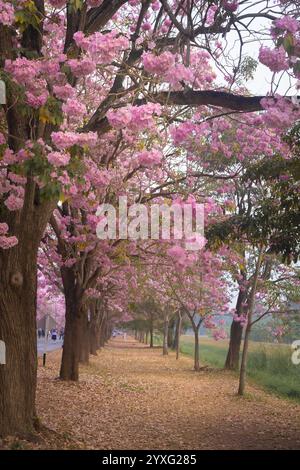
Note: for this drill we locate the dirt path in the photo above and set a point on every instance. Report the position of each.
(131, 397)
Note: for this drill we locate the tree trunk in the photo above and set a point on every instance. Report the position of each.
(93, 341)
(178, 333)
(85, 340)
(236, 333)
(69, 369)
(165, 339)
(196, 352)
(171, 333)
(242, 381)
(243, 369)
(102, 332)
(18, 331)
(151, 335)
(18, 291)
(18, 275)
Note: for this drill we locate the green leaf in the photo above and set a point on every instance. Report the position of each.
(288, 43)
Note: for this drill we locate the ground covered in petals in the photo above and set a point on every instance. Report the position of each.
(131, 397)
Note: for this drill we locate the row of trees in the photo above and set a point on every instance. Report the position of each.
(144, 99)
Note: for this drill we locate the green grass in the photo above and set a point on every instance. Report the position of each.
(268, 365)
(209, 354)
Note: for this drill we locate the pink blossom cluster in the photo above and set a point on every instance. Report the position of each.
(58, 158)
(7, 13)
(58, 3)
(168, 68)
(149, 158)
(102, 48)
(241, 319)
(287, 23)
(23, 70)
(63, 140)
(28, 73)
(74, 109)
(230, 6)
(158, 64)
(2, 139)
(64, 92)
(219, 334)
(281, 112)
(8, 242)
(275, 59)
(136, 118)
(210, 15)
(178, 254)
(82, 67)
(14, 202)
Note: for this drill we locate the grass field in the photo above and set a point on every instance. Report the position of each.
(269, 365)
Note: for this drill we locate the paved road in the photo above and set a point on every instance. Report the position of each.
(51, 345)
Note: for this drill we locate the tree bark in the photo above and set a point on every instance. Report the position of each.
(18, 291)
(69, 369)
(95, 327)
(196, 351)
(236, 333)
(165, 338)
(85, 340)
(151, 333)
(171, 333)
(18, 331)
(177, 335)
(242, 379)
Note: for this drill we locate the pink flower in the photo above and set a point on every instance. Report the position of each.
(64, 92)
(64, 140)
(36, 101)
(14, 203)
(210, 17)
(219, 334)
(3, 228)
(58, 159)
(119, 118)
(146, 26)
(2, 139)
(230, 6)
(9, 157)
(82, 67)
(74, 109)
(158, 64)
(8, 242)
(18, 179)
(150, 158)
(58, 3)
(287, 23)
(178, 254)
(275, 59)
(7, 13)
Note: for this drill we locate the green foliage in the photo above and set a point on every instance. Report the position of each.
(248, 67)
(275, 219)
(28, 16)
(51, 112)
(75, 4)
